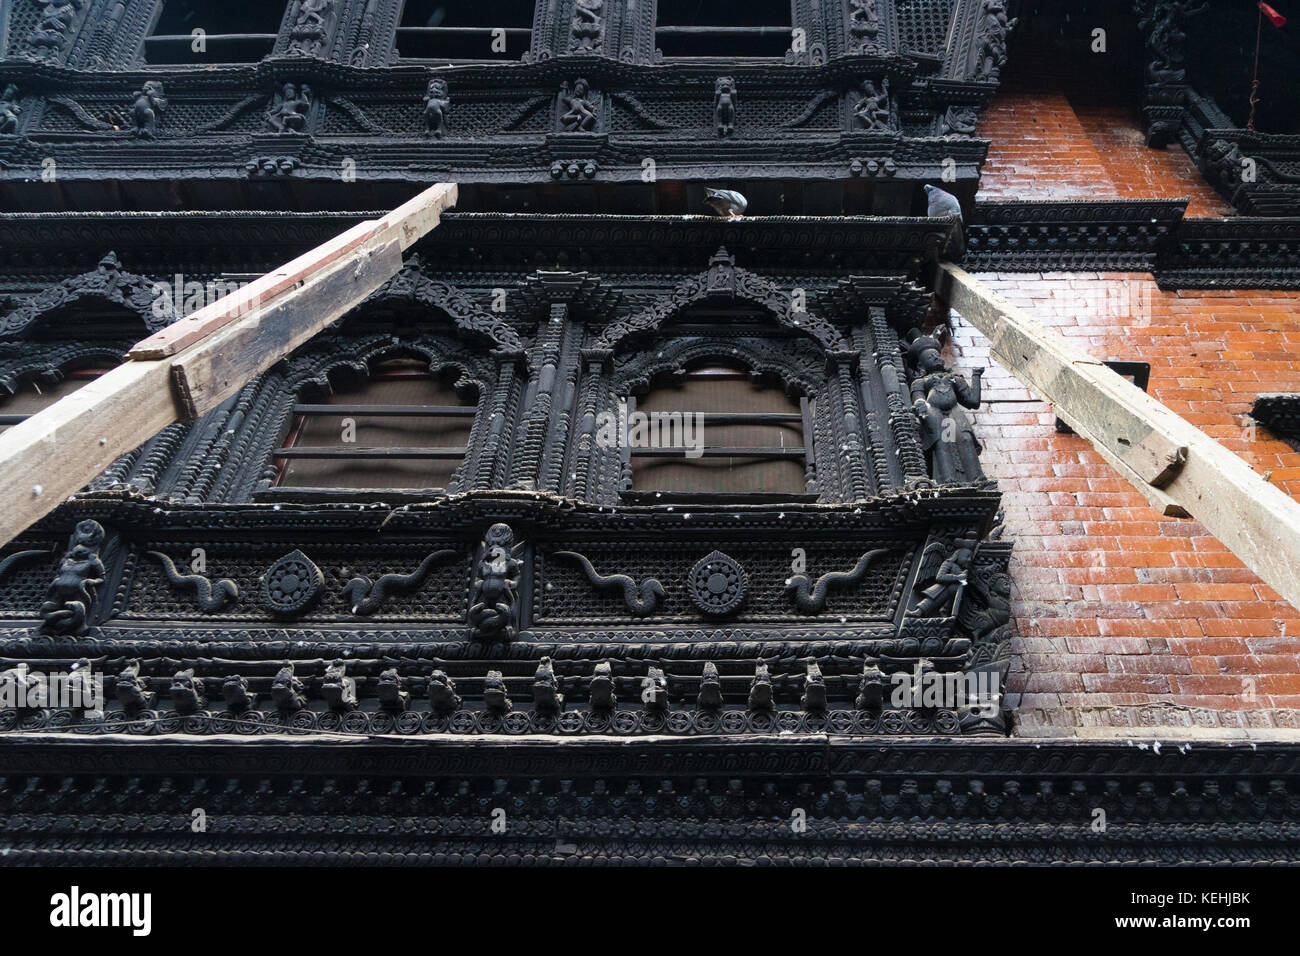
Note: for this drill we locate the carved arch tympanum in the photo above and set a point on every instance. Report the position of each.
(722, 282)
(107, 284)
(414, 286)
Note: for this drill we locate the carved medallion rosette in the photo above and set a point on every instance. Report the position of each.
(717, 584)
(292, 585)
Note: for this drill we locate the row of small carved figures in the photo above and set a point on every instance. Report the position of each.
(737, 799)
(189, 693)
(578, 109)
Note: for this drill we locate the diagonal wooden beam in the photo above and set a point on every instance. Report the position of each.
(1180, 469)
(196, 363)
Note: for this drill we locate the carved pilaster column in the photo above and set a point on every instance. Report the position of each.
(493, 459)
(588, 459)
(902, 423)
(843, 366)
(538, 397)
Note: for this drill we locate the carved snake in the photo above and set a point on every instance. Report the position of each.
(366, 597)
(210, 597)
(813, 601)
(640, 602)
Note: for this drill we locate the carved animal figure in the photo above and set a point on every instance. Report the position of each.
(366, 596)
(546, 689)
(640, 600)
(724, 105)
(391, 691)
(210, 597)
(287, 690)
(494, 593)
(814, 689)
(131, 690)
(760, 690)
(602, 687)
(187, 692)
(442, 693)
(811, 598)
(338, 689)
(437, 106)
(147, 110)
(80, 573)
(235, 691)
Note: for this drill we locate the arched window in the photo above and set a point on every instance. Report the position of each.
(453, 30)
(717, 431)
(405, 427)
(699, 28)
(32, 396)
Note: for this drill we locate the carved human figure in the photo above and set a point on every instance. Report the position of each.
(960, 120)
(51, 31)
(437, 104)
(308, 32)
(9, 110)
(577, 113)
(288, 112)
(147, 110)
(993, 30)
(724, 105)
(946, 582)
(938, 398)
(494, 594)
(864, 23)
(80, 573)
(587, 26)
(872, 111)
(1162, 21)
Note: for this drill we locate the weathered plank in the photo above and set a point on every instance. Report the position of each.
(195, 364)
(404, 225)
(1174, 463)
(56, 452)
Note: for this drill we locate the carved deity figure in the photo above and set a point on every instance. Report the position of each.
(9, 110)
(960, 120)
(724, 105)
(147, 110)
(938, 398)
(494, 595)
(587, 26)
(307, 36)
(1162, 22)
(577, 112)
(80, 573)
(437, 104)
(992, 34)
(288, 112)
(864, 23)
(872, 111)
(944, 583)
(51, 31)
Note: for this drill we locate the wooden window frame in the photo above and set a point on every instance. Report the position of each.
(302, 411)
(87, 373)
(803, 417)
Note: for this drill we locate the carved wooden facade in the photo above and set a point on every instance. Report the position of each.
(750, 642)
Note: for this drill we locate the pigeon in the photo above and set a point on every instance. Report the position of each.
(725, 202)
(942, 203)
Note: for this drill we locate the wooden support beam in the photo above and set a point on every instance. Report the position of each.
(1177, 466)
(195, 364)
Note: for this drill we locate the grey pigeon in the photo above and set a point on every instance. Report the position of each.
(945, 204)
(725, 202)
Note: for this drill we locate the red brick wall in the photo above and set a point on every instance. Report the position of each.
(1125, 617)
(1117, 605)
